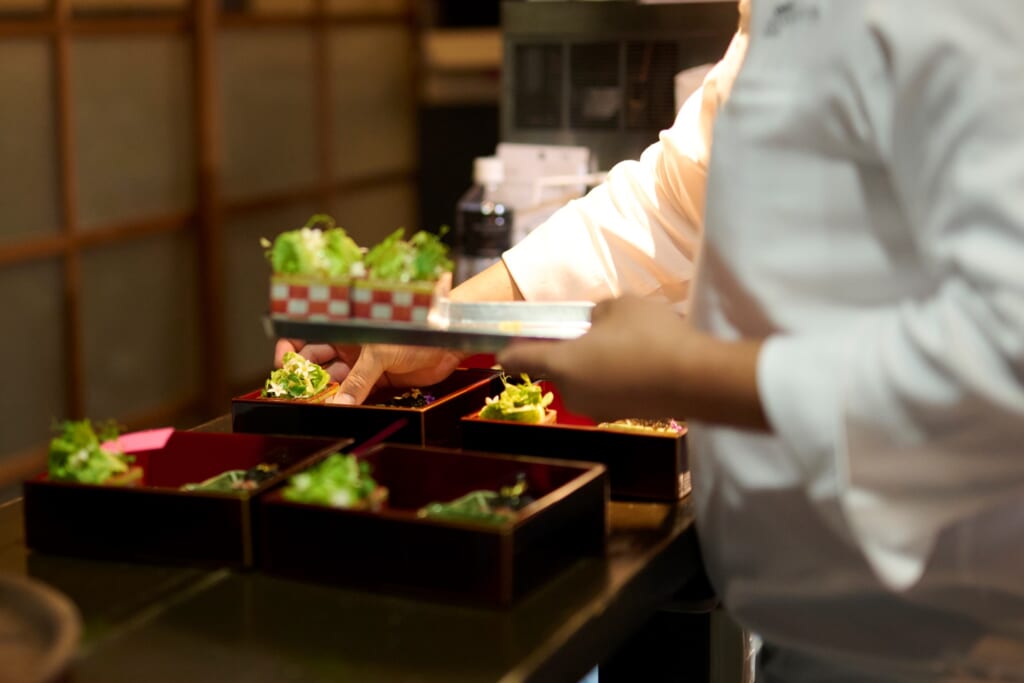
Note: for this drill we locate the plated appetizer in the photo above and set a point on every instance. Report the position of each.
(667, 426)
(85, 454)
(487, 507)
(299, 379)
(414, 398)
(321, 275)
(342, 481)
(403, 278)
(525, 402)
(235, 481)
(313, 268)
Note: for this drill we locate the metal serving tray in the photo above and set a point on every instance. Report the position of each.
(468, 326)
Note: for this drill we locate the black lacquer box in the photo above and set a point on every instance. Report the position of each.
(153, 519)
(394, 549)
(641, 466)
(436, 424)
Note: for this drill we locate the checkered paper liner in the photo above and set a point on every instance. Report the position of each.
(316, 301)
(386, 302)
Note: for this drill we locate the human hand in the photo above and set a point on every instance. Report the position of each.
(361, 369)
(621, 368)
(640, 359)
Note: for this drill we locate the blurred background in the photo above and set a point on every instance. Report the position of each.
(147, 145)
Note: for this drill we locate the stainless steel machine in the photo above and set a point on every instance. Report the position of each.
(600, 73)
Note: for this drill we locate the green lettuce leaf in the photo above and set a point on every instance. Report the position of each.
(339, 481)
(422, 258)
(319, 248)
(75, 453)
(296, 378)
(524, 402)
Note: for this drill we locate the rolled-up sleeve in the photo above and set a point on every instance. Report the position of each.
(639, 231)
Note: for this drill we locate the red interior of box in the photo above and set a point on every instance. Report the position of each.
(415, 477)
(562, 415)
(191, 457)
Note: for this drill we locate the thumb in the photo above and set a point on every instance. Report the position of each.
(283, 346)
(361, 379)
(533, 358)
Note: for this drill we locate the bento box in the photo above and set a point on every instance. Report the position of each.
(154, 519)
(435, 424)
(395, 548)
(641, 465)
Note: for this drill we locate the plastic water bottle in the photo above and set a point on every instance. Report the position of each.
(483, 221)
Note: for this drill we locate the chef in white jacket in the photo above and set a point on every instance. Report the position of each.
(853, 364)
(856, 355)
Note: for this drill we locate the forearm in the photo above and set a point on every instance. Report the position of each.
(640, 357)
(493, 284)
(716, 381)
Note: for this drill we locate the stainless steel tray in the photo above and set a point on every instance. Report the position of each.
(467, 326)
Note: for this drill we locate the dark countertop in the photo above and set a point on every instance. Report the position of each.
(158, 623)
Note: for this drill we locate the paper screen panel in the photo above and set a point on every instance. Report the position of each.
(29, 194)
(268, 106)
(373, 98)
(127, 6)
(18, 7)
(35, 370)
(370, 215)
(141, 322)
(134, 128)
(287, 7)
(387, 7)
(247, 284)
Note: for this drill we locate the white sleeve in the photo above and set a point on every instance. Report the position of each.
(922, 406)
(639, 231)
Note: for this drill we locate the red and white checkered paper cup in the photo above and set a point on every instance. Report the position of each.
(392, 303)
(310, 299)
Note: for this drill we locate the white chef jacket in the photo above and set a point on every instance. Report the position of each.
(865, 215)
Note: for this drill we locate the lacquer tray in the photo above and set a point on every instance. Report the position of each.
(394, 550)
(641, 466)
(437, 424)
(154, 520)
(467, 326)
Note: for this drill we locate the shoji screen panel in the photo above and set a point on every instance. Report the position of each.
(29, 190)
(32, 348)
(268, 104)
(374, 105)
(132, 107)
(147, 145)
(247, 271)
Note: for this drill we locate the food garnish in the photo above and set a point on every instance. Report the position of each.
(78, 453)
(488, 507)
(414, 398)
(421, 258)
(342, 481)
(665, 426)
(524, 402)
(320, 249)
(297, 378)
(235, 481)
